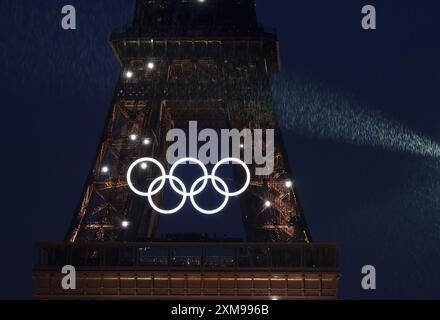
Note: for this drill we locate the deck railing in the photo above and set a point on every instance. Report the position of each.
(162, 256)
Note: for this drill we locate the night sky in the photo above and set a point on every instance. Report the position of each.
(381, 205)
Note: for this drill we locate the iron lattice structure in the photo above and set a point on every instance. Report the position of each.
(188, 60)
(184, 60)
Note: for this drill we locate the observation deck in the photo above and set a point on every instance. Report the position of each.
(196, 271)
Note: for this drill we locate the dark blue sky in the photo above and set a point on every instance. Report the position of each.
(381, 206)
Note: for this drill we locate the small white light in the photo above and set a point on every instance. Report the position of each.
(242, 146)
(144, 166)
(105, 169)
(147, 142)
(133, 137)
(268, 204)
(289, 184)
(129, 74)
(125, 224)
(150, 65)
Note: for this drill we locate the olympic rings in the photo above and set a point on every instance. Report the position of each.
(194, 190)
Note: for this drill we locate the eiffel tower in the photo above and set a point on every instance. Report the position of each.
(188, 60)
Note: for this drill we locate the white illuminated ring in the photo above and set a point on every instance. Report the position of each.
(194, 191)
(200, 164)
(248, 176)
(151, 193)
(130, 170)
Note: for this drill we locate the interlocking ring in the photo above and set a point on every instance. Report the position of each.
(151, 194)
(145, 160)
(194, 190)
(200, 164)
(248, 176)
(193, 193)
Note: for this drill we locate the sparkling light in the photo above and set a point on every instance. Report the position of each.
(105, 169)
(133, 137)
(289, 184)
(125, 224)
(268, 204)
(129, 74)
(150, 65)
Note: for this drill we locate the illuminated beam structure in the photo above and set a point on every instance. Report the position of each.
(189, 60)
(183, 61)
